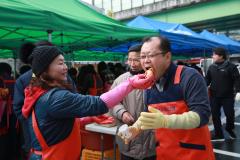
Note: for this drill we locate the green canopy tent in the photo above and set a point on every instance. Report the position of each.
(85, 55)
(67, 23)
(5, 53)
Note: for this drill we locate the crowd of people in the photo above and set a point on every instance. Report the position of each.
(167, 113)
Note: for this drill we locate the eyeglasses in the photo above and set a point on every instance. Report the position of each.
(149, 56)
(133, 60)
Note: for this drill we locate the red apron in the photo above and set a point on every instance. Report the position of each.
(181, 144)
(68, 149)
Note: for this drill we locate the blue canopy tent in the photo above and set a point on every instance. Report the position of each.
(231, 47)
(228, 40)
(185, 42)
(147, 23)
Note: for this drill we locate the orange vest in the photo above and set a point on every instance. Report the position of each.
(68, 149)
(94, 91)
(181, 144)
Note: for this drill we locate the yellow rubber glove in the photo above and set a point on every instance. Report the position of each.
(130, 132)
(155, 119)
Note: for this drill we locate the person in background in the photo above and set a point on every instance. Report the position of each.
(106, 75)
(73, 73)
(178, 106)
(119, 69)
(9, 140)
(111, 67)
(23, 69)
(222, 76)
(128, 111)
(90, 82)
(51, 108)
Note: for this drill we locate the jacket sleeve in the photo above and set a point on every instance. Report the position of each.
(208, 77)
(118, 111)
(64, 104)
(236, 79)
(18, 99)
(195, 94)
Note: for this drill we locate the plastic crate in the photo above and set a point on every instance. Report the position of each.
(92, 140)
(97, 155)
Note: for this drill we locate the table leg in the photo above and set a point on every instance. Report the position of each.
(102, 146)
(114, 148)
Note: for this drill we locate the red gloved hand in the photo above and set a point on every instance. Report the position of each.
(142, 81)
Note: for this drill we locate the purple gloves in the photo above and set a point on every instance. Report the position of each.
(116, 95)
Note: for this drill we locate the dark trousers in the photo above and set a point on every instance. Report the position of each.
(228, 108)
(9, 142)
(124, 157)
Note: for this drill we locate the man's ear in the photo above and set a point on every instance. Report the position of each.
(168, 55)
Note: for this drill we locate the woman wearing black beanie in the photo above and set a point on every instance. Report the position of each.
(51, 108)
(23, 80)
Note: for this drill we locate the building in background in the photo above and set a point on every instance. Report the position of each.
(217, 16)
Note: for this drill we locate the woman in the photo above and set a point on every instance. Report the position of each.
(90, 82)
(51, 108)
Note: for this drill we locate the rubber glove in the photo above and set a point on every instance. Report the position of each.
(156, 119)
(237, 97)
(128, 133)
(116, 95)
(141, 81)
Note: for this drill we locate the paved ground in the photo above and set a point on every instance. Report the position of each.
(229, 149)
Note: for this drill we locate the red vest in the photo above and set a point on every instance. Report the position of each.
(68, 149)
(94, 91)
(181, 144)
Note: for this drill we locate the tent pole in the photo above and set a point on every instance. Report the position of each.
(204, 53)
(15, 62)
(61, 40)
(49, 35)
(205, 62)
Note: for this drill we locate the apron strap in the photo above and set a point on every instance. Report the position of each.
(37, 132)
(178, 74)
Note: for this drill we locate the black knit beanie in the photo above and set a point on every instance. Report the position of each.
(43, 57)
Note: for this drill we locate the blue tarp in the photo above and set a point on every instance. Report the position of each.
(147, 23)
(184, 42)
(223, 42)
(228, 40)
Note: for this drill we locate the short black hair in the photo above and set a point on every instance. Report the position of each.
(24, 69)
(25, 52)
(135, 48)
(5, 68)
(164, 46)
(221, 52)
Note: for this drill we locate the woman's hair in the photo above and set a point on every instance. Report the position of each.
(25, 52)
(46, 82)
